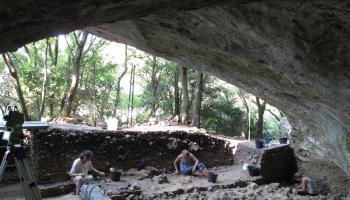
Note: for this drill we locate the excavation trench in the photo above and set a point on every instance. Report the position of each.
(54, 150)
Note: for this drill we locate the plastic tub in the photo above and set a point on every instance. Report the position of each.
(212, 177)
(253, 170)
(283, 140)
(115, 176)
(259, 143)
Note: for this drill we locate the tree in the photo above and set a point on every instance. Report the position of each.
(185, 99)
(176, 92)
(260, 122)
(197, 100)
(150, 75)
(131, 95)
(16, 83)
(117, 101)
(154, 85)
(242, 96)
(67, 108)
(45, 80)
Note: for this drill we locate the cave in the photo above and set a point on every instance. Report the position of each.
(295, 55)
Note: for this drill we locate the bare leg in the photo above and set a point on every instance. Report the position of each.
(204, 172)
(88, 179)
(78, 180)
(302, 185)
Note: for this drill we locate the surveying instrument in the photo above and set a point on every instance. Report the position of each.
(13, 135)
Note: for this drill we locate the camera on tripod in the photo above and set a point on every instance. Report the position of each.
(13, 135)
(13, 117)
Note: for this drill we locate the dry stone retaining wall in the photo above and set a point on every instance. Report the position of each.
(55, 149)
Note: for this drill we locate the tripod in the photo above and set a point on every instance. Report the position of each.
(14, 136)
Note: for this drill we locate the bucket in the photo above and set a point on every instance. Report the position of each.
(115, 176)
(253, 170)
(259, 143)
(283, 140)
(140, 165)
(212, 177)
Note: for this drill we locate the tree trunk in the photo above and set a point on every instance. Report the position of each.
(176, 91)
(2, 111)
(44, 86)
(246, 105)
(15, 81)
(56, 52)
(185, 100)
(51, 101)
(94, 123)
(67, 108)
(197, 100)
(129, 98)
(132, 93)
(260, 122)
(117, 101)
(154, 86)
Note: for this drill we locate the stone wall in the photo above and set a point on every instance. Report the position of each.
(55, 149)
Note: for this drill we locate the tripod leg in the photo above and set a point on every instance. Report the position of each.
(26, 176)
(4, 164)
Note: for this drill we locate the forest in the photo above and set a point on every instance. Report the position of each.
(85, 79)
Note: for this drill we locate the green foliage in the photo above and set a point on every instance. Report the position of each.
(96, 96)
(219, 112)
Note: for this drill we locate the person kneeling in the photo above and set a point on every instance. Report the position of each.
(306, 185)
(80, 169)
(186, 168)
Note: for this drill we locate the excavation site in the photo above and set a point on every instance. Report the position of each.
(163, 99)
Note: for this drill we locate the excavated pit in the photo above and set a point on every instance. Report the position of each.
(54, 150)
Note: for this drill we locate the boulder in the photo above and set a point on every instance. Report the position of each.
(278, 164)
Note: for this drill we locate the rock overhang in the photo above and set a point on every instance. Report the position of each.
(294, 55)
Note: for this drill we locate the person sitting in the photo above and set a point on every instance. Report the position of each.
(80, 168)
(186, 168)
(306, 185)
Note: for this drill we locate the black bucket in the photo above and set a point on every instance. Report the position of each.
(212, 177)
(115, 176)
(253, 170)
(259, 143)
(283, 140)
(140, 165)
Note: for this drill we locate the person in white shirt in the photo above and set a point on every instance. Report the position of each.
(80, 169)
(306, 186)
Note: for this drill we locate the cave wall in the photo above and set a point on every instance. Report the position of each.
(294, 55)
(54, 150)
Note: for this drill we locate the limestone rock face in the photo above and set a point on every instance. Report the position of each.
(296, 55)
(24, 21)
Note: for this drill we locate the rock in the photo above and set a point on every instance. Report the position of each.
(179, 191)
(102, 125)
(172, 145)
(253, 186)
(160, 179)
(193, 146)
(278, 164)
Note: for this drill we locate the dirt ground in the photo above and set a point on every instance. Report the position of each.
(232, 183)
